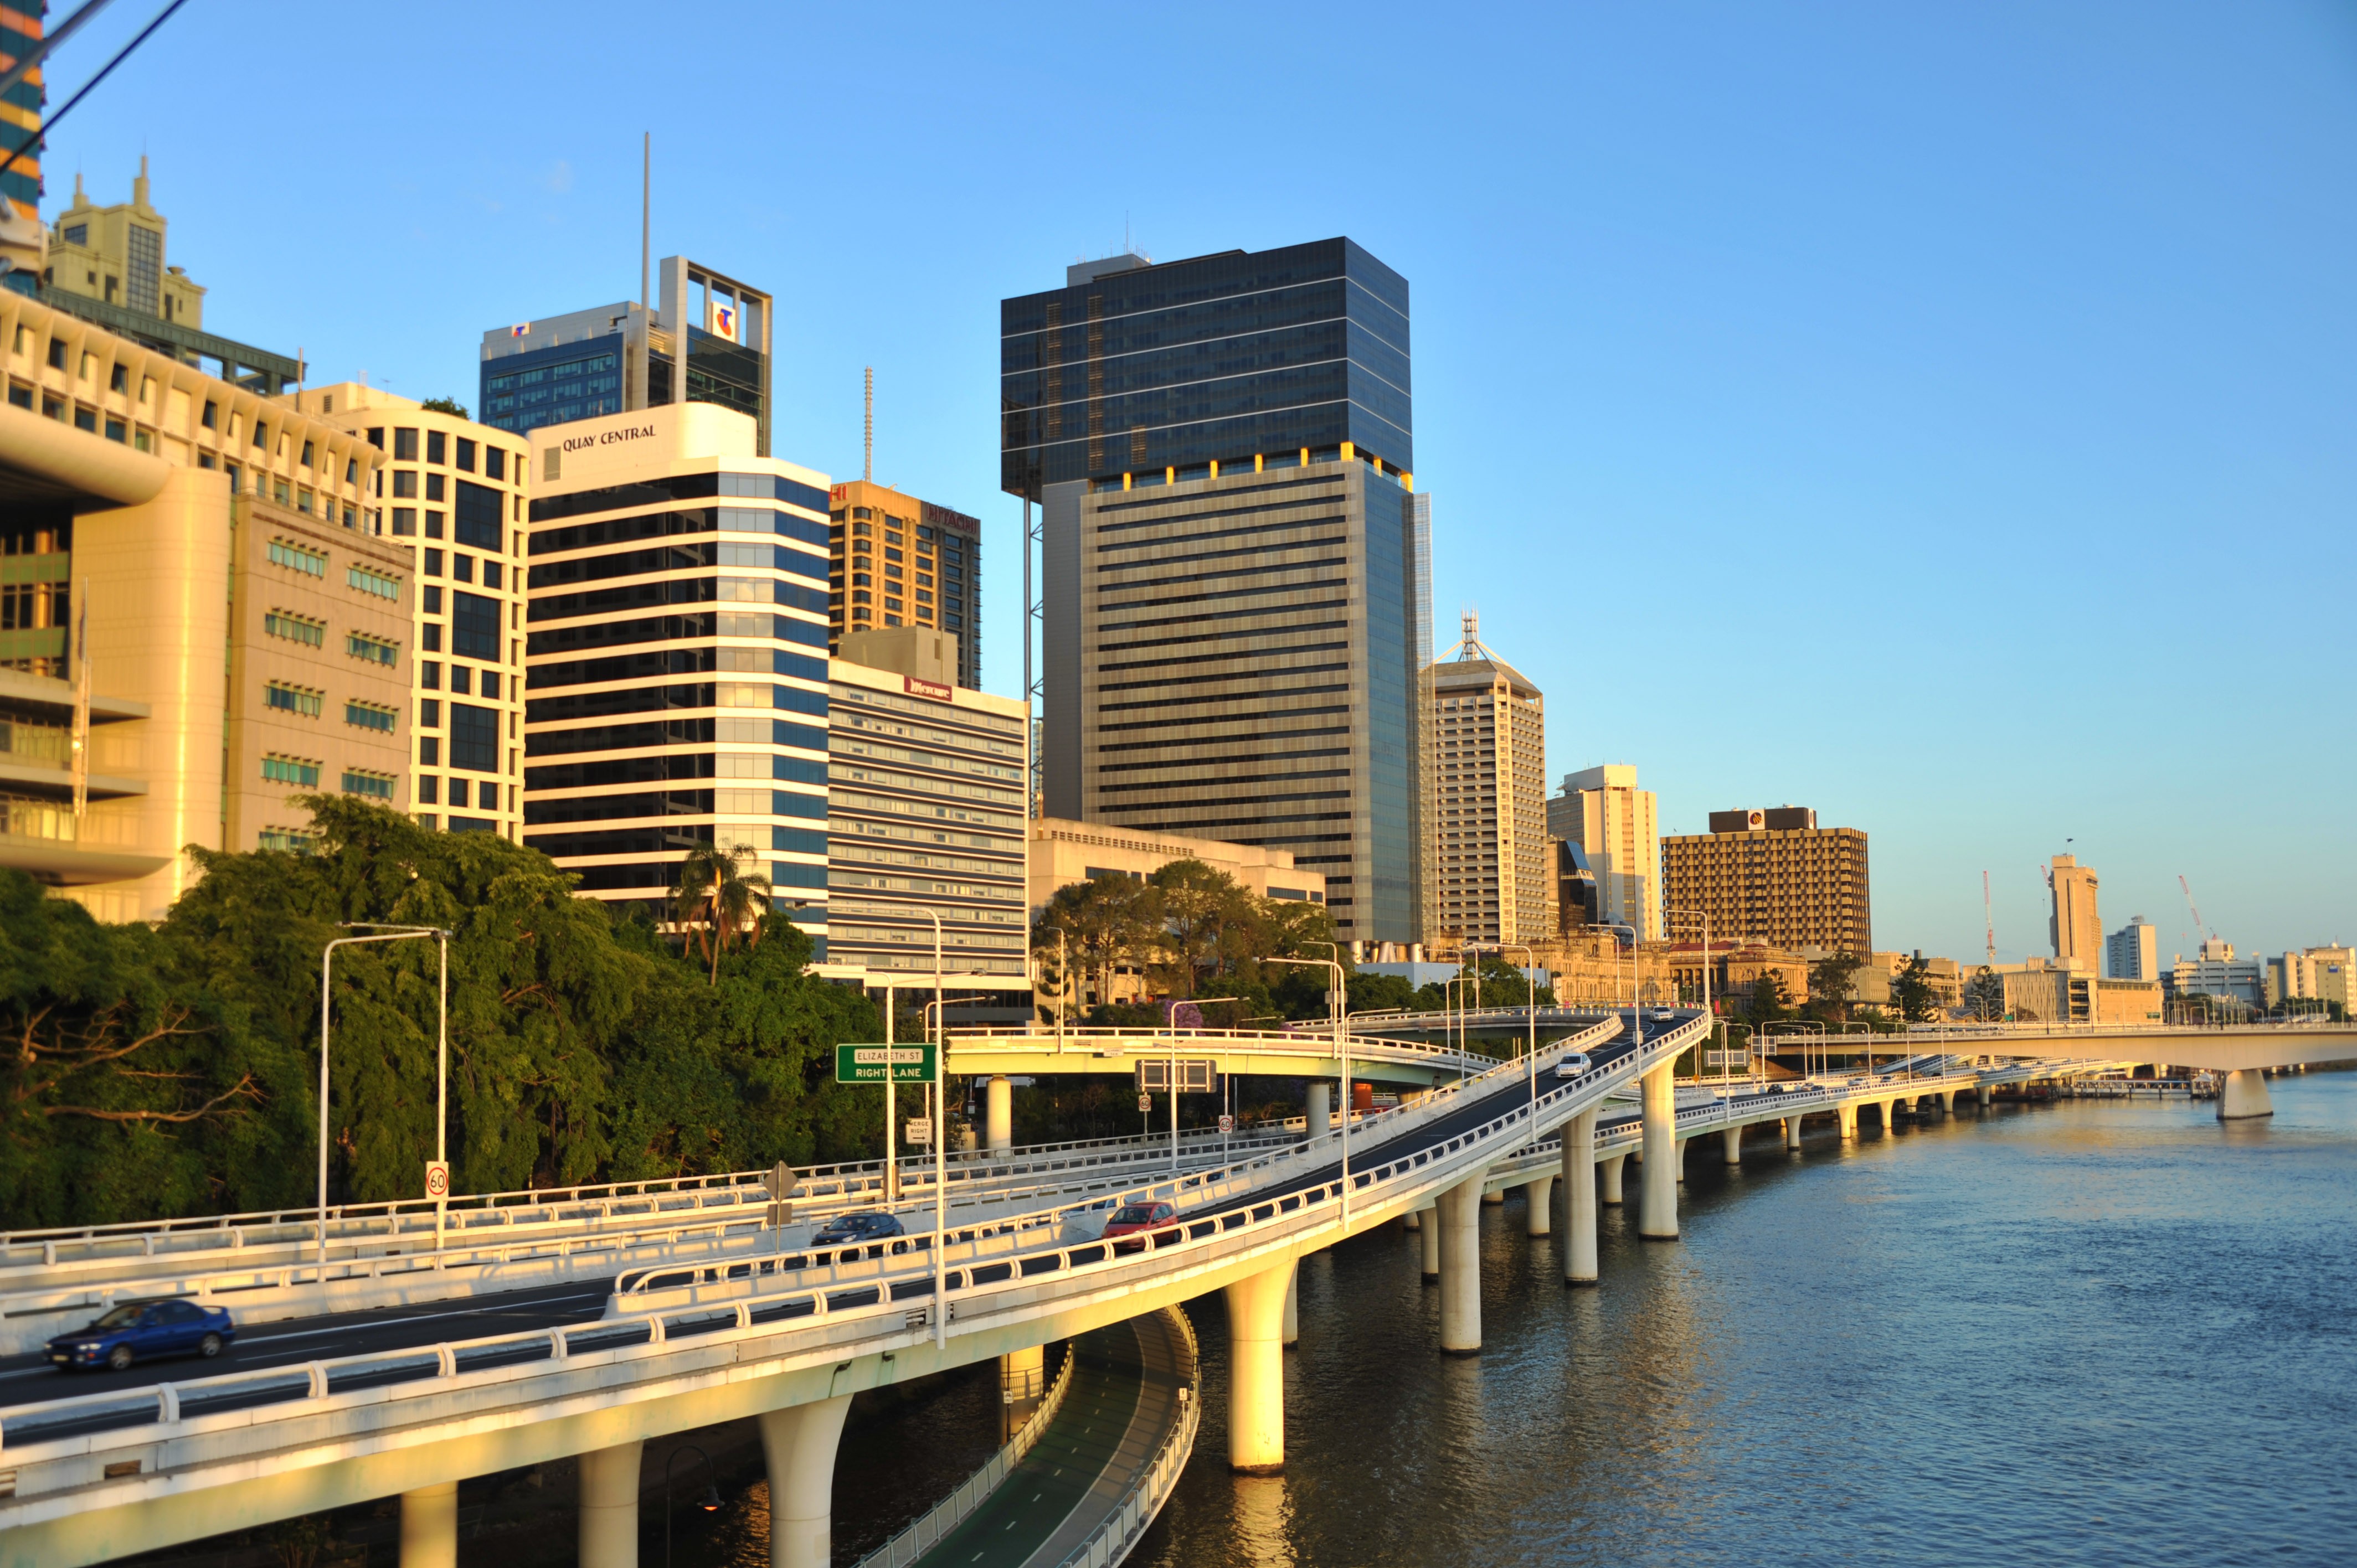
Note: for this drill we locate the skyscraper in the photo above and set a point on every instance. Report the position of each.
(618, 357)
(1774, 876)
(1602, 810)
(2133, 952)
(677, 672)
(898, 561)
(1222, 447)
(1494, 878)
(2076, 931)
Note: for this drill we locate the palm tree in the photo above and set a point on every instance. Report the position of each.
(720, 898)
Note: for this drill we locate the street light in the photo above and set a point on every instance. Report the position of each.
(1531, 997)
(1729, 1048)
(710, 1502)
(1635, 1011)
(442, 1055)
(941, 1147)
(1334, 1000)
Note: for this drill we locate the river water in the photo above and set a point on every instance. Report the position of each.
(2088, 1332)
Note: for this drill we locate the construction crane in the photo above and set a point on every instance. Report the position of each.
(2199, 930)
(1989, 919)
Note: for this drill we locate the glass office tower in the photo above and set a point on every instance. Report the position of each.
(1224, 450)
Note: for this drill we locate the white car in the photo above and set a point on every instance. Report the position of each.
(1572, 1065)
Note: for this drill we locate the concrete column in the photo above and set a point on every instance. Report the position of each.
(1657, 1214)
(1460, 1268)
(1889, 1118)
(429, 1526)
(609, 1508)
(1409, 1221)
(1730, 1146)
(1321, 1108)
(2243, 1095)
(1793, 1132)
(1540, 1192)
(1846, 1116)
(1292, 1331)
(1256, 1371)
(998, 1115)
(1498, 1197)
(1947, 1102)
(1022, 1383)
(1681, 1160)
(799, 1443)
(1430, 1237)
(1985, 1094)
(1612, 1169)
(1579, 1199)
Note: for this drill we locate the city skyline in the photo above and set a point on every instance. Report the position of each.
(1894, 334)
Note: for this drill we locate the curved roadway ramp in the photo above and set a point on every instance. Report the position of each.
(1131, 1400)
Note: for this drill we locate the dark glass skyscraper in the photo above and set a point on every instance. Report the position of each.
(1222, 449)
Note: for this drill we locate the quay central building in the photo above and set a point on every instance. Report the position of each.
(1222, 449)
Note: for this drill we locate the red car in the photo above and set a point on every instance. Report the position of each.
(1132, 1219)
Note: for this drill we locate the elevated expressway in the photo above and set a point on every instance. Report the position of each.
(786, 1337)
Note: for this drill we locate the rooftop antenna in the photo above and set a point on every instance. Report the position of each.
(868, 459)
(646, 209)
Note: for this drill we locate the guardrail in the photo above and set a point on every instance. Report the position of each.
(1313, 1042)
(954, 1510)
(987, 1270)
(1113, 1539)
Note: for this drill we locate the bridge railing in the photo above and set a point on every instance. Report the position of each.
(988, 1272)
(1114, 1539)
(1302, 1041)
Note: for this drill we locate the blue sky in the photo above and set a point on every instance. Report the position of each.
(1942, 417)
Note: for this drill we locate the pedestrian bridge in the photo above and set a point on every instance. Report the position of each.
(787, 1337)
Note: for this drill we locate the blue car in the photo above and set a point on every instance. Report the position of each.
(142, 1331)
(868, 1226)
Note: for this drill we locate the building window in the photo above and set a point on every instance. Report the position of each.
(294, 699)
(495, 463)
(429, 789)
(437, 447)
(286, 840)
(474, 738)
(429, 753)
(429, 714)
(478, 518)
(465, 463)
(290, 770)
(369, 582)
(404, 446)
(376, 650)
(361, 781)
(474, 625)
(405, 520)
(429, 674)
(370, 716)
(296, 628)
(404, 484)
(430, 637)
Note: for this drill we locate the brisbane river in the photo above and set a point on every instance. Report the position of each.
(2088, 1332)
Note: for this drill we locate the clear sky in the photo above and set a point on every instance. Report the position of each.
(1940, 416)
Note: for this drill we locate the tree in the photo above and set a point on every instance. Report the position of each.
(725, 900)
(1107, 921)
(1985, 994)
(445, 405)
(1831, 979)
(1768, 1001)
(1209, 923)
(1911, 988)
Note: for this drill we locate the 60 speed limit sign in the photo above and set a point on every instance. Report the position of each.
(437, 1178)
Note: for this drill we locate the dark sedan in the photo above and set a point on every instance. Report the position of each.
(847, 1228)
(143, 1331)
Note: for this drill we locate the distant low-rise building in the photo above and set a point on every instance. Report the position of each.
(2216, 971)
(2321, 974)
(1065, 852)
(2054, 994)
(2133, 952)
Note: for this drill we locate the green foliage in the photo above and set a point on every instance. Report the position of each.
(1197, 932)
(1911, 989)
(579, 1049)
(1768, 1001)
(1831, 979)
(445, 405)
(1985, 994)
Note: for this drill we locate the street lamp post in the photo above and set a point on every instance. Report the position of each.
(1334, 999)
(711, 1499)
(1636, 1012)
(392, 933)
(941, 1147)
(1531, 1009)
(1727, 1049)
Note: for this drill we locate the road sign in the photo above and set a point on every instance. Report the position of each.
(1146, 1102)
(1227, 1125)
(437, 1178)
(1194, 1077)
(1768, 1049)
(868, 1064)
(920, 1130)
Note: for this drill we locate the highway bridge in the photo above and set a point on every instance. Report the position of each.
(324, 1411)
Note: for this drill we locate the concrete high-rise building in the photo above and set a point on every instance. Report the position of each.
(24, 246)
(2133, 952)
(1494, 874)
(898, 561)
(1616, 826)
(675, 663)
(2321, 974)
(1223, 449)
(205, 563)
(926, 813)
(619, 357)
(451, 496)
(1775, 876)
(2076, 931)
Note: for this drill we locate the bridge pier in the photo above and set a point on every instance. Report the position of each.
(1657, 1214)
(1291, 1333)
(1613, 1168)
(1680, 1162)
(1846, 1116)
(1493, 1198)
(1022, 1383)
(1947, 1102)
(1409, 1221)
(1579, 1198)
(1540, 1193)
(1321, 1108)
(429, 1526)
(1793, 1132)
(2243, 1095)
(998, 1115)
(798, 1441)
(1984, 1094)
(1889, 1118)
(1430, 1237)
(1256, 1371)
(609, 1508)
(1730, 1146)
(1460, 1267)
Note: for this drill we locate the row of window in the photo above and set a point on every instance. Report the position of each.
(304, 774)
(485, 792)
(439, 448)
(304, 701)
